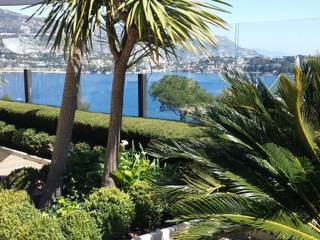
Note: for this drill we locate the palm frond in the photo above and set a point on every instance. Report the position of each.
(170, 23)
(292, 95)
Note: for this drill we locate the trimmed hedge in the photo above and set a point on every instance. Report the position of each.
(113, 211)
(92, 127)
(20, 220)
(79, 225)
(149, 209)
(27, 140)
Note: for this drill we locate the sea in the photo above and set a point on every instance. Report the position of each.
(47, 89)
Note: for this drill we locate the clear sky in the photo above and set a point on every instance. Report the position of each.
(288, 26)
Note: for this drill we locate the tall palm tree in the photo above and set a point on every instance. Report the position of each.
(139, 28)
(69, 25)
(257, 167)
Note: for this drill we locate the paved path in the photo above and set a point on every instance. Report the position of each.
(9, 161)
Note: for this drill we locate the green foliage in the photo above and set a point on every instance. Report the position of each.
(29, 179)
(149, 210)
(11, 199)
(84, 170)
(15, 208)
(133, 166)
(259, 165)
(6, 98)
(113, 211)
(151, 24)
(40, 227)
(79, 225)
(20, 220)
(92, 127)
(180, 94)
(63, 206)
(27, 140)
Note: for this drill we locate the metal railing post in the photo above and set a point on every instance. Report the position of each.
(142, 95)
(28, 85)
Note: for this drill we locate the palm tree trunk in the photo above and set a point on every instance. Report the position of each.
(120, 68)
(64, 129)
(115, 123)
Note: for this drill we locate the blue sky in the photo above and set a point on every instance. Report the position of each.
(288, 26)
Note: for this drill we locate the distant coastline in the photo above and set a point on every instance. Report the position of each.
(61, 71)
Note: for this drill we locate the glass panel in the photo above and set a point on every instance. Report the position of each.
(267, 48)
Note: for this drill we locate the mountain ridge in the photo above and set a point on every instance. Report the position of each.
(21, 26)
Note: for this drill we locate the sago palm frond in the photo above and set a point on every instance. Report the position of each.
(261, 151)
(292, 95)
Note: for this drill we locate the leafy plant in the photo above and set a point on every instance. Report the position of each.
(63, 206)
(133, 166)
(84, 170)
(28, 140)
(79, 225)
(148, 207)
(28, 179)
(20, 220)
(113, 211)
(180, 94)
(258, 168)
(6, 97)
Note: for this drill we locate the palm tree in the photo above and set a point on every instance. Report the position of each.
(70, 25)
(134, 29)
(140, 28)
(257, 167)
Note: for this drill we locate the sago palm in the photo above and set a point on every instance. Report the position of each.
(257, 165)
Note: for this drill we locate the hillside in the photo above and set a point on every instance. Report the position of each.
(15, 23)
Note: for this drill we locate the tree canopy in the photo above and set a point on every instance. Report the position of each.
(180, 94)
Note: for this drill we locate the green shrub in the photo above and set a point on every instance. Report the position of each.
(6, 98)
(29, 179)
(92, 127)
(148, 209)
(12, 198)
(6, 135)
(79, 225)
(40, 227)
(113, 211)
(63, 206)
(15, 208)
(20, 220)
(27, 140)
(84, 170)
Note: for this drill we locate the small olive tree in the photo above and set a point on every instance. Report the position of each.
(179, 94)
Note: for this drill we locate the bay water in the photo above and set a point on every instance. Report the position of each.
(96, 90)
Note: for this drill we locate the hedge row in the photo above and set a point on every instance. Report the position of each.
(92, 127)
(26, 140)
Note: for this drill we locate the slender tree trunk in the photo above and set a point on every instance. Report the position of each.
(115, 123)
(64, 130)
(113, 145)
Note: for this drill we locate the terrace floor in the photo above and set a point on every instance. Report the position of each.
(11, 160)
